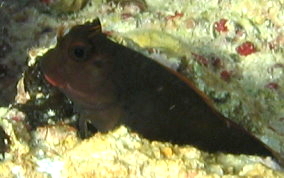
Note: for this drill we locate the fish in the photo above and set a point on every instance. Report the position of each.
(111, 85)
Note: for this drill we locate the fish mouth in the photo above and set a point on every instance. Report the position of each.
(53, 82)
(51, 74)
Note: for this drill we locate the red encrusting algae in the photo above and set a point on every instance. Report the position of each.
(246, 48)
(220, 26)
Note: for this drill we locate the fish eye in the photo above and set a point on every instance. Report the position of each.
(79, 52)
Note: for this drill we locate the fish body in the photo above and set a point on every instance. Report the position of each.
(111, 85)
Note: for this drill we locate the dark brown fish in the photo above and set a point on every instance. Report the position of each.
(111, 85)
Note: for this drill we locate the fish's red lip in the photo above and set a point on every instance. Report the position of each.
(52, 82)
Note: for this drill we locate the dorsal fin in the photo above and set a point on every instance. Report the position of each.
(95, 27)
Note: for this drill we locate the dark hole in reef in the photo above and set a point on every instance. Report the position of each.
(46, 30)
(3, 70)
(5, 48)
(52, 100)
